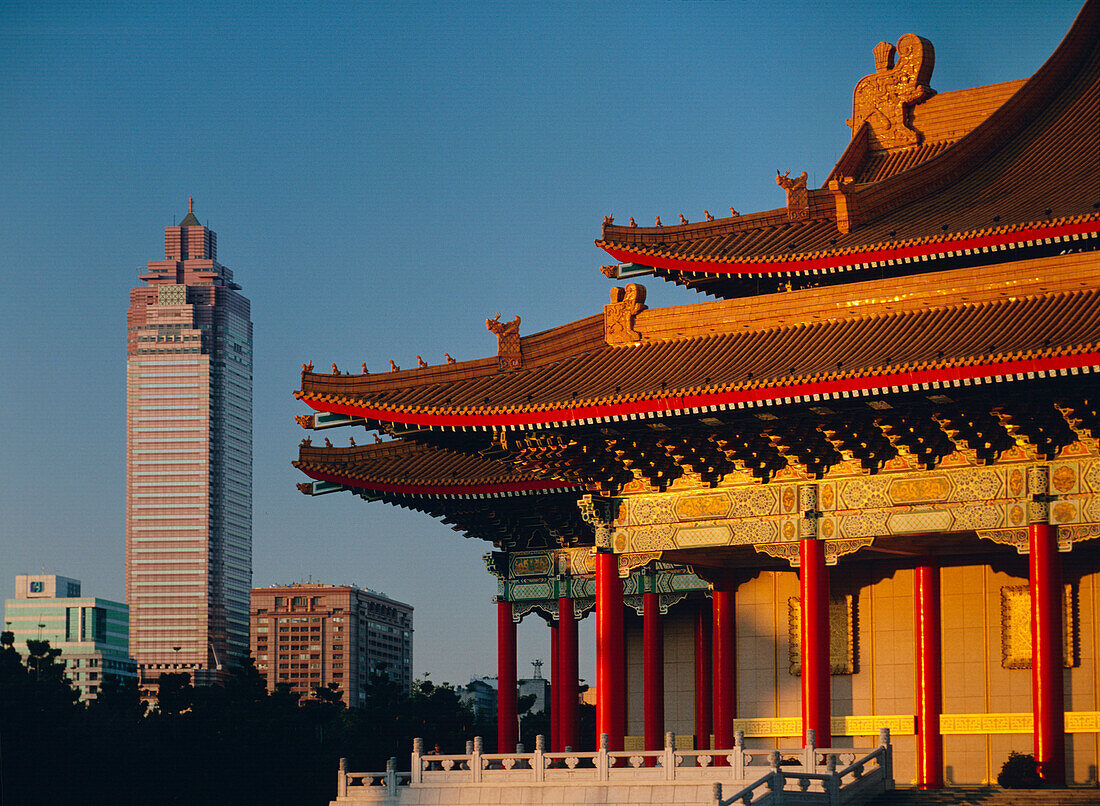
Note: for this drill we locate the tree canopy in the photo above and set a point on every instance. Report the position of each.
(235, 743)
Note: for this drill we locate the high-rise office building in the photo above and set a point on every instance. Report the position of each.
(188, 461)
(89, 631)
(312, 635)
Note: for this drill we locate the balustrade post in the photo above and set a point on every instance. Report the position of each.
(888, 756)
(739, 755)
(809, 752)
(475, 760)
(777, 779)
(416, 772)
(832, 785)
(601, 759)
(718, 793)
(538, 762)
(342, 779)
(668, 761)
(391, 776)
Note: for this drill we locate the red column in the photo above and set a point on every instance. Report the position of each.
(929, 676)
(703, 691)
(1046, 653)
(725, 662)
(507, 729)
(654, 671)
(610, 661)
(568, 669)
(813, 580)
(555, 689)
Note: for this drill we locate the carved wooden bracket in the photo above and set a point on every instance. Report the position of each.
(509, 348)
(618, 316)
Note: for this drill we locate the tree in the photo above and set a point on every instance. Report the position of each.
(119, 697)
(42, 662)
(246, 685)
(330, 695)
(175, 694)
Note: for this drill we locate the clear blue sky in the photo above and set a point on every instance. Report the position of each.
(382, 177)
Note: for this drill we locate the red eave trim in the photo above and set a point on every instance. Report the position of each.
(873, 255)
(442, 490)
(883, 381)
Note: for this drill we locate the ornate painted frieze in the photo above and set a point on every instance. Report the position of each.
(992, 501)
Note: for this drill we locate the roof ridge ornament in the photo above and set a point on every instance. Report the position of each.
(509, 348)
(618, 316)
(798, 198)
(885, 98)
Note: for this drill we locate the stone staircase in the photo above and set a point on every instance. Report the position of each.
(988, 796)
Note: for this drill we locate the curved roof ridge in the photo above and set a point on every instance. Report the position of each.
(1024, 106)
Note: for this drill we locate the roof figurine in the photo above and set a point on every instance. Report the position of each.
(798, 203)
(509, 346)
(883, 99)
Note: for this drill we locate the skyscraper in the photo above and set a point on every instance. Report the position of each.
(188, 461)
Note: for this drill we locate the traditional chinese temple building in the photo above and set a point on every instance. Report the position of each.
(858, 488)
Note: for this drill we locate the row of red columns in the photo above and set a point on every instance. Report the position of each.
(715, 662)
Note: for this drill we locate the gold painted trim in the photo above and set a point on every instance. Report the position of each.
(782, 727)
(903, 725)
(983, 724)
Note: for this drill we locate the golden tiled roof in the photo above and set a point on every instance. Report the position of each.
(741, 352)
(1030, 170)
(400, 467)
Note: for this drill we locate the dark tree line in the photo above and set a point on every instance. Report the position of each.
(212, 744)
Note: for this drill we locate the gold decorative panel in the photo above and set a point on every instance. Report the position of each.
(842, 657)
(702, 506)
(920, 490)
(703, 536)
(1016, 627)
(977, 724)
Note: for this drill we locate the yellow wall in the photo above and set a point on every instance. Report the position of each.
(883, 684)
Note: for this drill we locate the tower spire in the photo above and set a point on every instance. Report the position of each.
(190, 220)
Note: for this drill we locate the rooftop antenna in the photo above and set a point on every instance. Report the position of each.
(537, 663)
